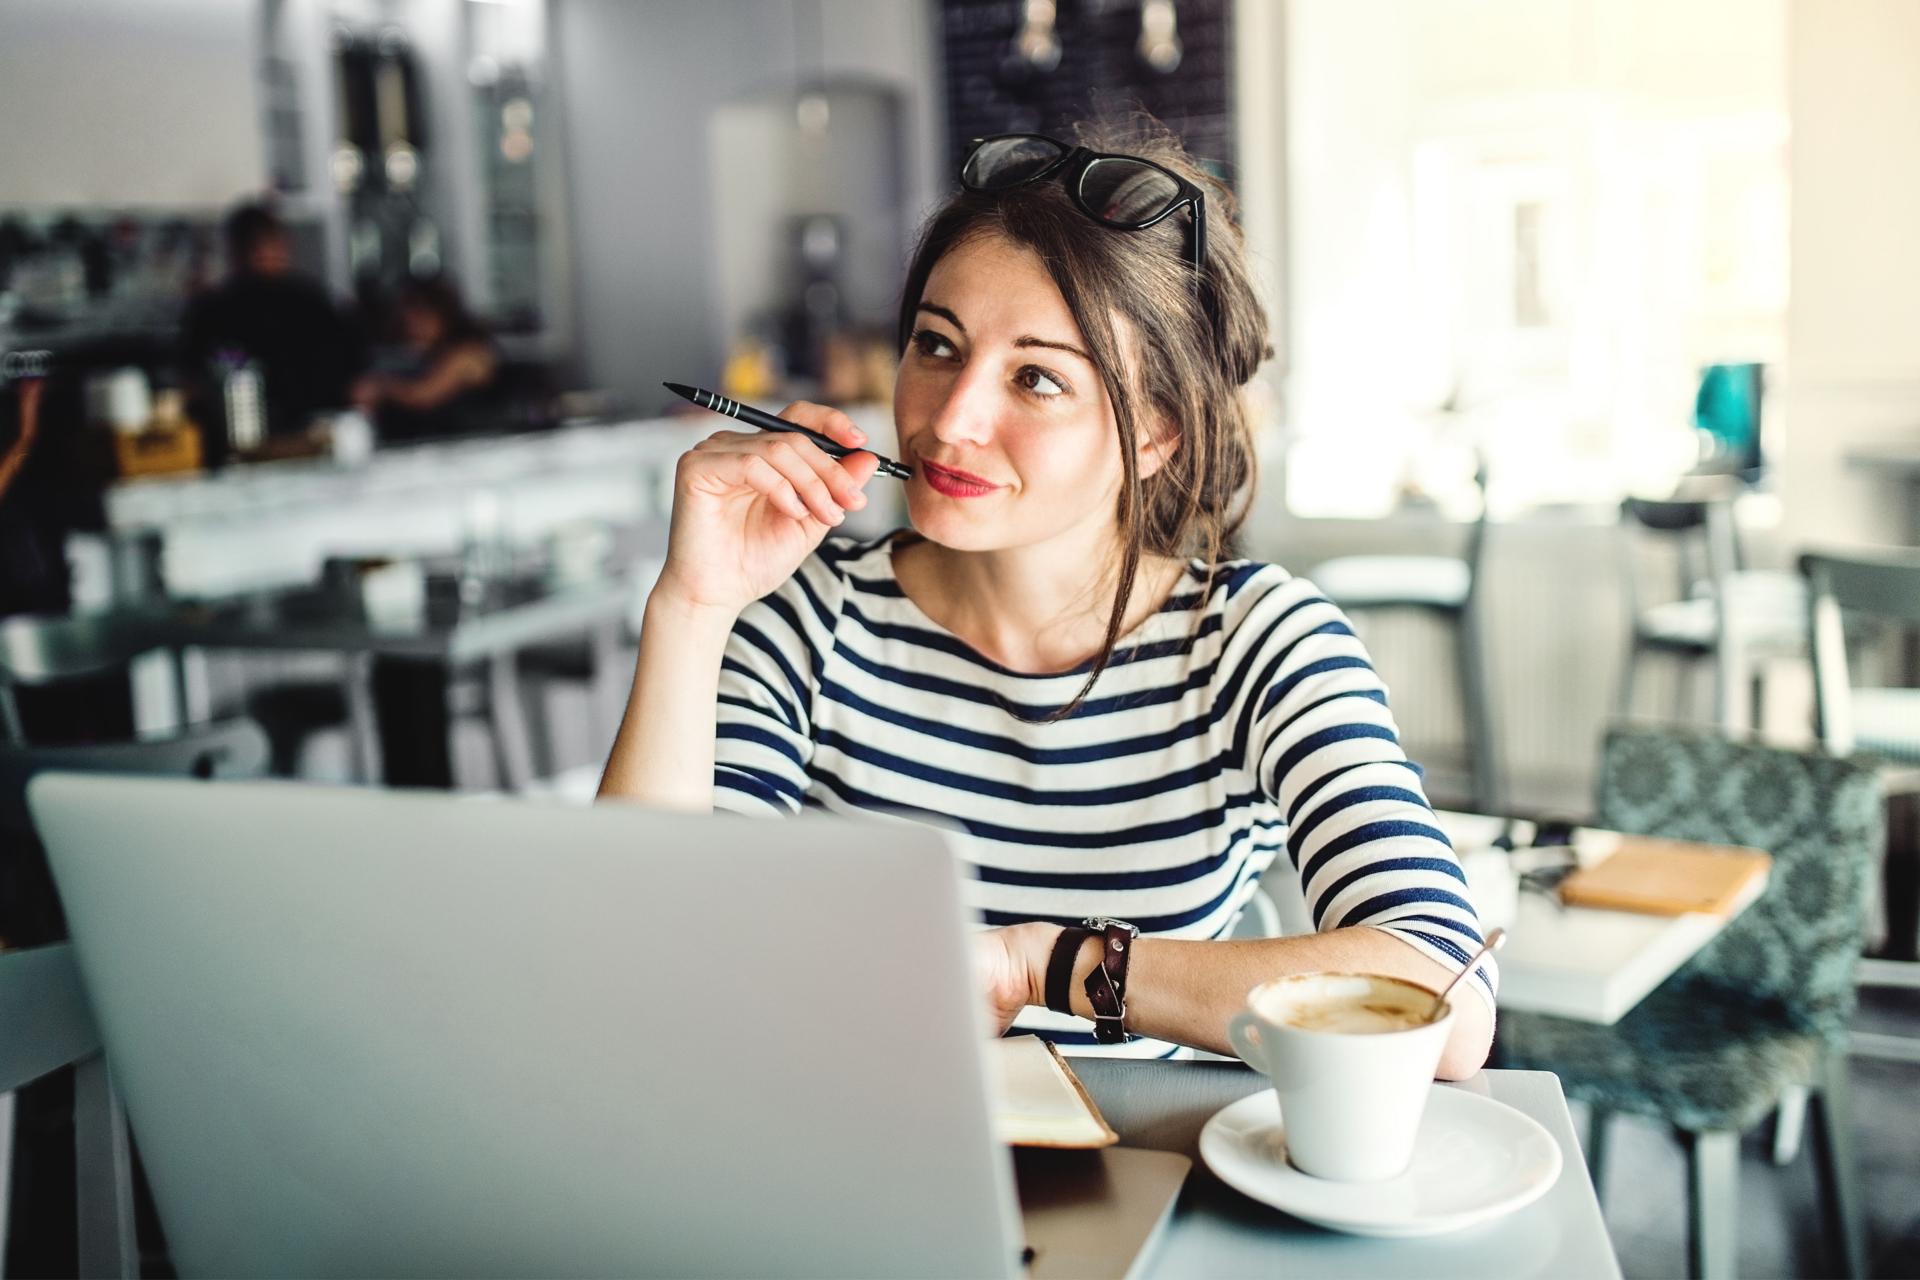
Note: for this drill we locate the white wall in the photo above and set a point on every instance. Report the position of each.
(129, 102)
(637, 82)
(1853, 327)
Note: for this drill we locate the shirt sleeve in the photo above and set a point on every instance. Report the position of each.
(1321, 742)
(769, 674)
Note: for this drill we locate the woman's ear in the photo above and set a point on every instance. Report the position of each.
(1158, 443)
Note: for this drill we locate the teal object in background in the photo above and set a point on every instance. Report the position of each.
(1727, 408)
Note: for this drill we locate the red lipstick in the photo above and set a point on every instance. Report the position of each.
(954, 484)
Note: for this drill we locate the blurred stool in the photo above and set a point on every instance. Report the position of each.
(67, 678)
(1881, 586)
(1736, 618)
(43, 1008)
(1447, 588)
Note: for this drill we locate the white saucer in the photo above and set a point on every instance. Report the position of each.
(1475, 1159)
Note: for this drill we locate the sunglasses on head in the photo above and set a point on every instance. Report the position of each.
(1122, 192)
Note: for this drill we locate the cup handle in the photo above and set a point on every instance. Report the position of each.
(1244, 1031)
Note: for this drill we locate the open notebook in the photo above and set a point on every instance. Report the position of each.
(1038, 1101)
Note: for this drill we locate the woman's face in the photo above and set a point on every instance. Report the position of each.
(420, 325)
(1000, 410)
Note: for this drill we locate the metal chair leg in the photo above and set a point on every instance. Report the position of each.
(1713, 1204)
(1599, 1131)
(1789, 1123)
(513, 753)
(1839, 1184)
(103, 1162)
(1623, 705)
(1477, 700)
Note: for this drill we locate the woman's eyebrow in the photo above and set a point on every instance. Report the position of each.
(1030, 341)
(934, 308)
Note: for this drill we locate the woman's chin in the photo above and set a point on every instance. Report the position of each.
(937, 520)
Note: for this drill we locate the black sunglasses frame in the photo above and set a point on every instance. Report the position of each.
(1071, 166)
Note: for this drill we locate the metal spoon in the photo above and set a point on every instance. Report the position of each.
(1494, 939)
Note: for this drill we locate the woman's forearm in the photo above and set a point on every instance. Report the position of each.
(663, 755)
(1186, 992)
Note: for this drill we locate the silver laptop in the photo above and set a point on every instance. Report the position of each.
(364, 1032)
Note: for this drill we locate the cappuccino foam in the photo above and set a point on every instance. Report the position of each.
(1353, 1017)
(1345, 1004)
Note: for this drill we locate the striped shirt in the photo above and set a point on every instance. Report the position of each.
(1212, 748)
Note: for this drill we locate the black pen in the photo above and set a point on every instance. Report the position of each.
(767, 422)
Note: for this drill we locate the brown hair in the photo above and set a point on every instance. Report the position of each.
(1198, 342)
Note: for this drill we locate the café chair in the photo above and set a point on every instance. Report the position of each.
(1719, 613)
(46, 651)
(227, 749)
(1446, 588)
(49, 1025)
(43, 1008)
(1882, 587)
(1765, 1007)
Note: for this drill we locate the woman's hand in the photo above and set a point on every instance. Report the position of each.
(1010, 964)
(748, 507)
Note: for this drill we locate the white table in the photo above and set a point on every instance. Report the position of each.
(1216, 1231)
(1580, 962)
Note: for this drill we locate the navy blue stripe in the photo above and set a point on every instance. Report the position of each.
(973, 784)
(1165, 829)
(944, 642)
(1380, 866)
(1198, 678)
(1303, 830)
(788, 712)
(755, 734)
(1153, 878)
(1463, 927)
(1118, 749)
(819, 606)
(1366, 911)
(1367, 833)
(748, 782)
(1320, 739)
(1148, 924)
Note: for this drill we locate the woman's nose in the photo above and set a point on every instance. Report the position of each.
(966, 415)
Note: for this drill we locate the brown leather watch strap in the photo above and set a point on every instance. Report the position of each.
(1106, 985)
(1066, 949)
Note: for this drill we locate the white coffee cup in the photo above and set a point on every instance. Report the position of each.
(1352, 1058)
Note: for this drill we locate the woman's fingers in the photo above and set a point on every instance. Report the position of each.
(827, 485)
(757, 473)
(789, 458)
(825, 419)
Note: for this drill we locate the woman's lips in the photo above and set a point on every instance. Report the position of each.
(954, 484)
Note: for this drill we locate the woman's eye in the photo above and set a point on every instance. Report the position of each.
(1041, 383)
(932, 344)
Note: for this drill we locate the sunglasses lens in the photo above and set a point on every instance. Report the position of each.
(1127, 193)
(1000, 163)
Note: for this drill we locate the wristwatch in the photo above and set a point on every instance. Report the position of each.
(1106, 986)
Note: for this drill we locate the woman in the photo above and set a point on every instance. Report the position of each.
(1057, 658)
(446, 365)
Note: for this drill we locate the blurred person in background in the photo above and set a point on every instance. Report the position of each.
(308, 350)
(439, 381)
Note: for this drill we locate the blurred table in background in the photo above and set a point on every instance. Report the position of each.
(1576, 962)
(1899, 462)
(445, 623)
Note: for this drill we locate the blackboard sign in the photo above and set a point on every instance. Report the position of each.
(1093, 64)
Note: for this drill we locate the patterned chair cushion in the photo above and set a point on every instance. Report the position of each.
(1693, 1055)
(1820, 818)
(1756, 1009)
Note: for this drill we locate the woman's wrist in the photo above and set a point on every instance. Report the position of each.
(1036, 950)
(673, 607)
